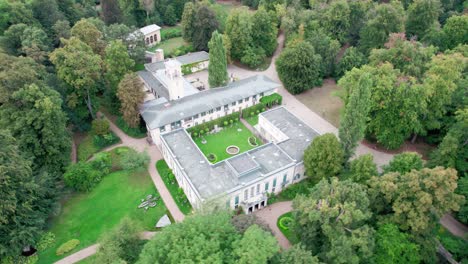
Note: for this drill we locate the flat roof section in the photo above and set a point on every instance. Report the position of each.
(300, 135)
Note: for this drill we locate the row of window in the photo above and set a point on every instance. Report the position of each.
(256, 189)
(178, 124)
(151, 39)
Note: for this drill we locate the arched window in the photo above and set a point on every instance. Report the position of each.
(147, 41)
(151, 39)
(156, 37)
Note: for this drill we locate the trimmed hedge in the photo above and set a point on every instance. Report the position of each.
(168, 33)
(67, 247)
(253, 110)
(271, 100)
(208, 126)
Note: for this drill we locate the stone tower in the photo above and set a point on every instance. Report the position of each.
(175, 82)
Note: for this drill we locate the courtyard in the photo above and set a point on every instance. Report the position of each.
(218, 143)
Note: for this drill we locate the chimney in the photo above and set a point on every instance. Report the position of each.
(158, 55)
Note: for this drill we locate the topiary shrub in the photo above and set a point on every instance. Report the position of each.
(226, 123)
(207, 130)
(253, 141)
(212, 157)
(195, 134)
(67, 247)
(286, 222)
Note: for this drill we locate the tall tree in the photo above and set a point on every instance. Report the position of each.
(20, 223)
(354, 120)
(217, 69)
(35, 117)
(170, 17)
(422, 16)
(121, 245)
(336, 20)
(188, 21)
(111, 12)
(238, 29)
(404, 162)
(87, 32)
(452, 151)
(34, 44)
(202, 238)
(415, 200)
(255, 246)
(299, 67)
(131, 96)
(46, 12)
(117, 63)
(394, 246)
(455, 31)
(75, 55)
(332, 221)
(352, 58)
(327, 47)
(264, 31)
(323, 158)
(61, 29)
(296, 254)
(385, 19)
(205, 24)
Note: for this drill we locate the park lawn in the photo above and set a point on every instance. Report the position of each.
(169, 45)
(86, 216)
(323, 101)
(179, 197)
(217, 143)
(87, 148)
(288, 231)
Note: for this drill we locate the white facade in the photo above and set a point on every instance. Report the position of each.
(152, 34)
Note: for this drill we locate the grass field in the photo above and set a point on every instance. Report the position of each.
(252, 120)
(287, 231)
(217, 143)
(86, 216)
(171, 184)
(169, 45)
(87, 148)
(322, 101)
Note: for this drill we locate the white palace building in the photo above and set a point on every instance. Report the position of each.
(243, 180)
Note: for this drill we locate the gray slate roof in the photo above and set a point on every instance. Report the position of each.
(300, 135)
(158, 115)
(154, 83)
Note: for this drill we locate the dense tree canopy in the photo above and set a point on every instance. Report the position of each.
(404, 162)
(394, 246)
(362, 169)
(422, 16)
(415, 200)
(332, 221)
(205, 24)
(299, 67)
(323, 158)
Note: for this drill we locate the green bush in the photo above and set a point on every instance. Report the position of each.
(211, 124)
(134, 160)
(100, 126)
(255, 109)
(253, 141)
(286, 222)
(67, 247)
(82, 176)
(456, 246)
(272, 99)
(168, 33)
(102, 141)
(253, 57)
(102, 162)
(136, 132)
(47, 240)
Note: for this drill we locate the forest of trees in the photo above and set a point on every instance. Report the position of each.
(401, 67)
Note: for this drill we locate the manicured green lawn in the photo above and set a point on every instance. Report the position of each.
(252, 120)
(287, 229)
(169, 45)
(171, 184)
(87, 148)
(217, 143)
(86, 216)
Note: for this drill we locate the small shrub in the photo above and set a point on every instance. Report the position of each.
(47, 240)
(100, 127)
(253, 141)
(102, 162)
(102, 141)
(195, 134)
(82, 176)
(257, 112)
(231, 121)
(133, 160)
(226, 123)
(136, 132)
(202, 132)
(207, 130)
(252, 114)
(67, 247)
(212, 157)
(286, 222)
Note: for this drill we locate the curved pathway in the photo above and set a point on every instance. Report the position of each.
(270, 215)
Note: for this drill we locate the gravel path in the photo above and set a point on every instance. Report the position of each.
(270, 215)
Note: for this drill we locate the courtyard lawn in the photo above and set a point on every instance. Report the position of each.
(252, 120)
(285, 224)
(217, 143)
(322, 101)
(171, 184)
(86, 216)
